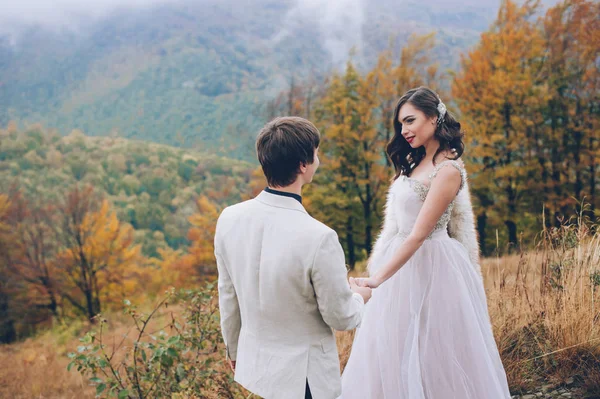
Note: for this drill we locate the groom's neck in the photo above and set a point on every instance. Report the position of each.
(294, 188)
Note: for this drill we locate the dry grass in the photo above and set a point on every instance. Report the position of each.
(545, 310)
(37, 368)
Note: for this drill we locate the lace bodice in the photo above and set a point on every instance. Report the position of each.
(406, 198)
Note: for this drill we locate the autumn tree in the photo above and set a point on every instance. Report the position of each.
(393, 76)
(355, 118)
(352, 160)
(34, 250)
(167, 271)
(569, 155)
(257, 182)
(298, 98)
(199, 261)
(7, 315)
(528, 94)
(29, 293)
(496, 90)
(98, 253)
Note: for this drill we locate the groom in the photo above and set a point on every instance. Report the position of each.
(282, 277)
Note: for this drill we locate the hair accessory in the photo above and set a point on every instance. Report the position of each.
(441, 107)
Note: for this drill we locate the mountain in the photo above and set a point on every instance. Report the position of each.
(198, 74)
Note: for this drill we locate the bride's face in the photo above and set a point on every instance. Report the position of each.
(417, 128)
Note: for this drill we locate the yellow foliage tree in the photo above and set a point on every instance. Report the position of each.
(199, 262)
(496, 91)
(528, 94)
(355, 115)
(167, 270)
(100, 262)
(568, 157)
(353, 170)
(257, 183)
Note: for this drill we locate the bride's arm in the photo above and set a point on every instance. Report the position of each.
(442, 191)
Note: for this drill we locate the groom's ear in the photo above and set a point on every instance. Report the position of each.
(303, 167)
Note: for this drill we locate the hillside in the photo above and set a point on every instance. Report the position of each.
(154, 187)
(199, 74)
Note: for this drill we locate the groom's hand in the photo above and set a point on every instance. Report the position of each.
(365, 292)
(368, 282)
(232, 364)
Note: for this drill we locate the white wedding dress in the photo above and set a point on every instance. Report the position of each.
(426, 332)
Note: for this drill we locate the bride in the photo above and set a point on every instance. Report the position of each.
(426, 332)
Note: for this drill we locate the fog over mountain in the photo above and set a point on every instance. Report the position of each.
(198, 72)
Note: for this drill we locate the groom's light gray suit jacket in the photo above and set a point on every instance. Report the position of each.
(282, 288)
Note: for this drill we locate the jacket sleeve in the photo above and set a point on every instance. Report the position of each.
(229, 307)
(339, 306)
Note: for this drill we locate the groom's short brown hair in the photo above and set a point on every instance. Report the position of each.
(283, 145)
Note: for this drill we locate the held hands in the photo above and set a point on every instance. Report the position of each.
(364, 291)
(370, 282)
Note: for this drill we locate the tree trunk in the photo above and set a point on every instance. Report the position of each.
(593, 172)
(53, 304)
(350, 242)
(539, 149)
(8, 333)
(577, 149)
(89, 301)
(511, 222)
(367, 212)
(368, 229)
(481, 225)
(556, 157)
(512, 233)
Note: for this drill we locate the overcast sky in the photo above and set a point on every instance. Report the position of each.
(339, 21)
(62, 14)
(56, 12)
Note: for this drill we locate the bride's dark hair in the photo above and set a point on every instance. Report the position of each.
(447, 133)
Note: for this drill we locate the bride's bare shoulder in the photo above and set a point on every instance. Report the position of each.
(449, 156)
(460, 162)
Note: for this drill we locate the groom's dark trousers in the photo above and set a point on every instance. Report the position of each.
(307, 395)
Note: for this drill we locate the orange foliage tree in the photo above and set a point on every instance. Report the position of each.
(188, 268)
(199, 261)
(496, 91)
(528, 94)
(349, 193)
(571, 110)
(354, 115)
(98, 257)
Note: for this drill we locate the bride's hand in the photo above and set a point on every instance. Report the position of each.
(368, 282)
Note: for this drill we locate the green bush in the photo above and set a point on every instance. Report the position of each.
(185, 357)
